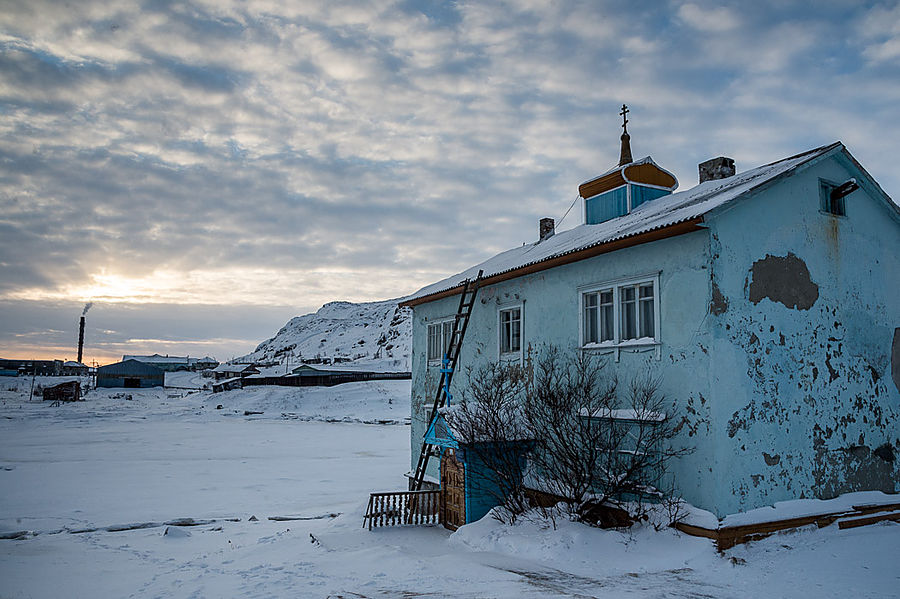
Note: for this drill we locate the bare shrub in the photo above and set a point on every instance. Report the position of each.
(488, 422)
(596, 443)
(602, 448)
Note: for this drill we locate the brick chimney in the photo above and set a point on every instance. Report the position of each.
(547, 228)
(716, 168)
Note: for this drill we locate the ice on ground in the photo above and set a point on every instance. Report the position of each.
(110, 463)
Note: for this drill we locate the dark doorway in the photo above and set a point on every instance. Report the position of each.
(132, 383)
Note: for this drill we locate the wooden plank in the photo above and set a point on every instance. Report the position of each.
(729, 536)
(866, 520)
(870, 508)
(697, 531)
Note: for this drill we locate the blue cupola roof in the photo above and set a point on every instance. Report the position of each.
(622, 189)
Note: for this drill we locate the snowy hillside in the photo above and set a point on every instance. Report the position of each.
(375, 331)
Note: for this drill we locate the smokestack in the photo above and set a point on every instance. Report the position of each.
(80, 338)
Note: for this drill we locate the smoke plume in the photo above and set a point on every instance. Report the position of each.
(87, 307)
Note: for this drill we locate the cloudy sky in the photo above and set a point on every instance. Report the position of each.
(204, 170)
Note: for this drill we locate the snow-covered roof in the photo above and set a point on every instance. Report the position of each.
(466, 423)
(619, 167)
(74, 364)
(372, 366)
(232, 367)
(158, 359)
(265, 371)
(129, 367)
(622, 167)
(656, 214)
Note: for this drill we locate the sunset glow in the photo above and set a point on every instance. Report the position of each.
(209, 170)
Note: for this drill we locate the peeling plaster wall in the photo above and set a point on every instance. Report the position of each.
(780, 350)
(551, 304)
(804, 402)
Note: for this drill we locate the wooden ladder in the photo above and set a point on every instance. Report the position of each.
(460, 323)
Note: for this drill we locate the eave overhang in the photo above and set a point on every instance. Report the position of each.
(687, 226)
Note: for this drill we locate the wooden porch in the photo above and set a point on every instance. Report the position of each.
(403, 508)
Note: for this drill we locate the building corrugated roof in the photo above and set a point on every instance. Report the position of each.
(158, 359)
(365, 367)
(663, 212)
(233, 367)
(130, 367)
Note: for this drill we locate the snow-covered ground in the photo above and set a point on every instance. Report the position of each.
(110, 461)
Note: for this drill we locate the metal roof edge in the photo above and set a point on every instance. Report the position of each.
(869, 184)
(574, 255)
(816, 155)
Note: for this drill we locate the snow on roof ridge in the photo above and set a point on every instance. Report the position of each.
(618, 167)
(668, 210)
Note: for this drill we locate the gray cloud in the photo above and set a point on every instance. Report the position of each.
(270, 154)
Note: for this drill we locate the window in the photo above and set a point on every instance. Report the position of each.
(643, 193)
(598, 316)
(623, 312)
(439, 334)
(607, 205)
(511, 331)
(835, 206)
(619, 201)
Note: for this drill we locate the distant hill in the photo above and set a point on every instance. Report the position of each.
(369, 332)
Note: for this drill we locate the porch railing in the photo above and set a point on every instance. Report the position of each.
(399, 508)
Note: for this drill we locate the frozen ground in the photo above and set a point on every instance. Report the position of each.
(111, 463)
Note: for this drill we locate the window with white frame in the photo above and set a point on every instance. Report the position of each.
(511, 331)
(439, 334)
(618, 312)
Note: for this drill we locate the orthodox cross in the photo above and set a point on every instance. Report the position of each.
(624, 112)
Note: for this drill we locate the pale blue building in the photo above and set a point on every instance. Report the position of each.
(767, 301)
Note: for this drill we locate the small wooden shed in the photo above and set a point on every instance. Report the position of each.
(68, 391)
(469, 488)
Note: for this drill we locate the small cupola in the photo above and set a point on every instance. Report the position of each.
(626, 186)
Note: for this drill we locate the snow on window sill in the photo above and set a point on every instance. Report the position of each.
(642, 344)
(625, 414)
